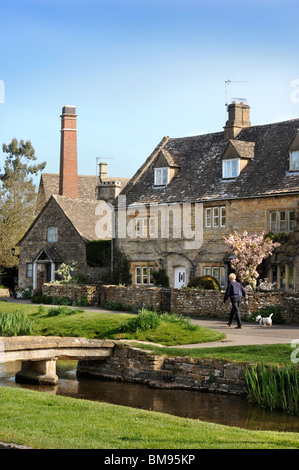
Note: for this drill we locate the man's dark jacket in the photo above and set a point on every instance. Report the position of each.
(235, 291)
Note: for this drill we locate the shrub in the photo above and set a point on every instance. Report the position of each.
(181, 320)
(160, 278)
(145, 320)
(204, 282)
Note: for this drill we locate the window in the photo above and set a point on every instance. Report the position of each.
(282, 221)
(151, 226)
(231, 168)
(161, 176)
(138, 227)
(52, 235)
(219, 217)
(144, 275)
(208, 217)
(145, 226)
(29, 270)
(292, 222)
(222, 216)
(294, 161)
(217, 272)
(284, 276)
(138, 275)
(215, 216)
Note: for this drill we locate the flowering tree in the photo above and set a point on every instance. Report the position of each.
(250, 251)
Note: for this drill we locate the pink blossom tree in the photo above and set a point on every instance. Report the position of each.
(250, 251)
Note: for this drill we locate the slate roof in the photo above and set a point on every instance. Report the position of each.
(200, 176)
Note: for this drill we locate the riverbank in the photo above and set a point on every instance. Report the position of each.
(44, 421)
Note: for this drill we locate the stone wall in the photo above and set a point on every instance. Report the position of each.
(134, 365)
(191, 302)
(91, 292)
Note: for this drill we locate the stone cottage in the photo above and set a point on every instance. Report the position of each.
(75, 217)
(191, 192)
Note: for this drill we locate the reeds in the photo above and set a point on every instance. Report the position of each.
(15, 324)
(274, 387)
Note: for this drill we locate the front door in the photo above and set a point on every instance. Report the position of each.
(179, 277)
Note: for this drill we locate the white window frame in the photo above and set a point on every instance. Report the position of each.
(138, 227)
(273, 221)
(144, 226)
(215, 216)
(208, 217)
(151, 226)
(291, 222)
(223, 216)
(52, 234)
(294, 162)
(227, 168)
(161, 176)
(29, 270)
(138, 275)
(282, 223)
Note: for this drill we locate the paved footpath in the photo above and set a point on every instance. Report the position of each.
(250, 333)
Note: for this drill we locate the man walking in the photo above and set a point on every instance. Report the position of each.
(235, 292)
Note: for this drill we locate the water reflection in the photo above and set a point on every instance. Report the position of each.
(222, 409)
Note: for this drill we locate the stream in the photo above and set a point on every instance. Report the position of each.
(216, 408)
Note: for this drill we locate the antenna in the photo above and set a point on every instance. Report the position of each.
(227, 82)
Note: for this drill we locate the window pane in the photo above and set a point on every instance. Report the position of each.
(226, 169)
(282, 221)
(164, 175)
(52, 234)
(294, 164)
(152, 226)
(144, 226)
(207, 271)
(291, 277)
(144, 275)
(223, 216)
(215, 217)
(273, 222)
(282, 277)
(274, 274)
(291, 221)
(150, 274)
(29, 270)
(137, 275)
(215, 273)
(138, 226)
(208, 217)
(234, 168)
(222, 277)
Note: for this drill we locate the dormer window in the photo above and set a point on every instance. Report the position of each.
(294, 160)
(231, 168)
(161, 176)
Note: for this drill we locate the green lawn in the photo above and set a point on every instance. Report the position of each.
(44, 421)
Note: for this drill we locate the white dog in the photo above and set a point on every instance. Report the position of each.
(263, 321)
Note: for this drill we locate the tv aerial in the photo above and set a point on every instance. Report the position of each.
(228, 82)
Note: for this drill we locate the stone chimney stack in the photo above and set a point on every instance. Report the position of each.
(68, 176)
(238, 117)
(102, 171)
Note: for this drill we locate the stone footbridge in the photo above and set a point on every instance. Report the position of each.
(38, 354)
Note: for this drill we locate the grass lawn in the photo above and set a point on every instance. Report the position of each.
(44, 421)
(99, 325)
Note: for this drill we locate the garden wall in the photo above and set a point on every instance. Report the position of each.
(192, 302)
(134, 365)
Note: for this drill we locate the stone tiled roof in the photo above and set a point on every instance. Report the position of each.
(49, 184)
(84, 214)
(200, 176)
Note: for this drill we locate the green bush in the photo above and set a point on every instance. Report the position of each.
(204, 282)
(145, 320)
(160, 278)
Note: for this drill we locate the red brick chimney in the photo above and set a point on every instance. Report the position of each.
(68, 176)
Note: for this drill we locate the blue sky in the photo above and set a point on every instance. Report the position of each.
(139, 70)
